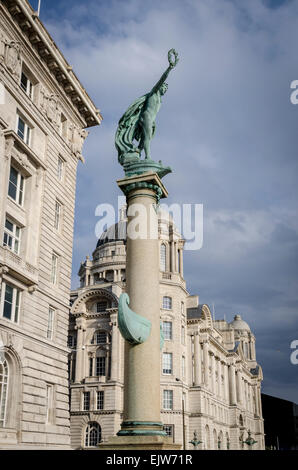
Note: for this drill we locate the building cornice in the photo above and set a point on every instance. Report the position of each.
(23, 14)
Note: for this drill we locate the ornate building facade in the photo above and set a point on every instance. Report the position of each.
(44, 111)
(210, 380)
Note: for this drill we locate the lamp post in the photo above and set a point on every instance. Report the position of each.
(195, 442)
(183, 416)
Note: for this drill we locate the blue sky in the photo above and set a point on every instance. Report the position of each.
(226, 127)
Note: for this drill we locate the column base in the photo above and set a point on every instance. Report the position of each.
(139, 443)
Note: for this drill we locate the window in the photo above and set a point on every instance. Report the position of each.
(101, 306)
(90, 366)
(92, 435)
(4, 375)
(183, 366)
(182, 334)
(167, 303)
(72, 341)
(60, 167)
(182, 308)
(163, 257)
(26, 85)
(10, 303)
(11, 236)
(23, 130)
(168, 399)
(86, 401)
(58, 207)
(167, 363)
(100, 337)
(54, 268)
(167, 330)
(100, 366)
(169, 428)
(100, 400)
(49, 403)
(16, 186)
(51, 317)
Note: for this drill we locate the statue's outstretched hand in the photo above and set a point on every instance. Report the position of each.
(173, 58)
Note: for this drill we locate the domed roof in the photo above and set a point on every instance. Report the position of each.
(239, 324)
(116, 232)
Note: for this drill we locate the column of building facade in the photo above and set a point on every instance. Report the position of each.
(114, 352)
(197, 360)
(226, 376)
(238, 387)
(232, 384)
(81, 328)
(213, 372)
(172, 249)
(181, 261)
(206, 363)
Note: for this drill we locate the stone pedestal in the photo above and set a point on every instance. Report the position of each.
(140, 443)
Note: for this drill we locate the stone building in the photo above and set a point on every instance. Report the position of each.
(44, 111)
(210, 380)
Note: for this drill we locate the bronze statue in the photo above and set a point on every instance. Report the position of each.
(138, 122)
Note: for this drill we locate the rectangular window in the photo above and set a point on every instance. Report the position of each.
(169, 428)
(10, 302)
(100, 400)
(100, 366)
(100, 337)
(49, 403)
(168, 399)
(167, 303)
(26, 85)
(54, 269)
(23, 130)
(167, 363)
(51, 318)
(58, 207)
(16, 186)
(11, 236)
(86, 401)
(167, 330)
(90, 366)
(72, 341)
(60, 167)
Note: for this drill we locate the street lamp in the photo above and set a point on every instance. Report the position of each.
(183, 416)
(195, 442)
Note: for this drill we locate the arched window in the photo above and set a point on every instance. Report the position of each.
(92, 434)
(215, 443)
(207, 434)
(4, 373)
(163, 257)
(167, 303)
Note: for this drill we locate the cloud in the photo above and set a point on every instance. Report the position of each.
(226, 127)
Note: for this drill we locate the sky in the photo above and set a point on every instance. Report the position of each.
(227, 128)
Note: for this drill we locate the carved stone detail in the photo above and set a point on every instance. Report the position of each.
(12, 57)
(77, 138)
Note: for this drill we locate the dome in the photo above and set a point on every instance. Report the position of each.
(116, 232)
(239, 324)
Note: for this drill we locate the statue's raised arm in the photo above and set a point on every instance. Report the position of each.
(138, 123)
(173, 61)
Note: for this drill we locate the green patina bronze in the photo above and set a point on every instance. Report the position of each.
(158, 431)
(138, 123)
(134, 328)
(145, 185)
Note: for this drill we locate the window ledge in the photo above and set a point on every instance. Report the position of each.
(12, 138)
(18, 268)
